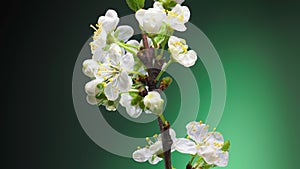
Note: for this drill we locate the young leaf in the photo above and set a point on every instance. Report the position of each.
(135, 4)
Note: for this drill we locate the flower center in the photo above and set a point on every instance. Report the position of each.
(184, 48)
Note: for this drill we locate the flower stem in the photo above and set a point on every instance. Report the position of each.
(127, 48)
(192, 159)
(164, 69)
(162, 118)
(132, 46)
(137, 73)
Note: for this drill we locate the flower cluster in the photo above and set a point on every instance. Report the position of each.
(208, 147)
(114, 68)
(128, 72)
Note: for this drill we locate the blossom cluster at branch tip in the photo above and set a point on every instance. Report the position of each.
(126, 71)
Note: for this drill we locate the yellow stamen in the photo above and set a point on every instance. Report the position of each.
(103, 84)
(93, 27)
(182, 46)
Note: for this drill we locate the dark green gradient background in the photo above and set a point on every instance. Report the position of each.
(258, 43)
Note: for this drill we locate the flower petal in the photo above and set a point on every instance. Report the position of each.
(158, 5)
(141, 155)
(124, 32)
(178, 26)
(215, 139)
(154, 160)
(172, 133)
(127, 62)
(197, 131)
(156, 148)
(115, 54)
(125, 100)
(186, 146)
(91, 100)
(134, 43)
(111, 91)
(153, 19)
(91, 87)
(148, 111)
(212, 156)
(223, 158)
(134, 111)
(188, 59)
(139, 15)
(124, 82)
(89, 67)
(109, 21)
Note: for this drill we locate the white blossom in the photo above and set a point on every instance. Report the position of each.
(115, 72)
(109, 21)
(178, 16)
(180, 53)
(150, 19)
(153, 151)
(99, 41)
(154, 102)
(203, 143)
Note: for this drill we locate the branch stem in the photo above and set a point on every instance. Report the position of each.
(166, 142)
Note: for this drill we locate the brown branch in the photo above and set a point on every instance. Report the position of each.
(189, 166)
(166, 142)
(145, 41)
(146, 56)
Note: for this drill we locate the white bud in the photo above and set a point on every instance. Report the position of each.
(89, 67)
(154, 102)
(151, 19)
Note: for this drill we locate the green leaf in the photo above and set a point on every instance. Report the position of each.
(135, 4)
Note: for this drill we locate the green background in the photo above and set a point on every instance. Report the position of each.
(258, 43)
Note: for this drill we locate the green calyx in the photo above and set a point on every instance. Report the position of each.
(168, 4)
(226, 145)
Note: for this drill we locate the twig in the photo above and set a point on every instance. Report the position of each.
(166, 141)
